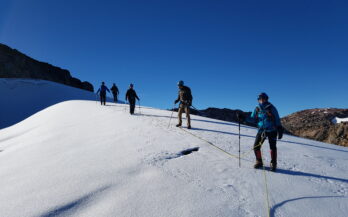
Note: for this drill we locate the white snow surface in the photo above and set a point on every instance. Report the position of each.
(21, 98)
(77, 158)
(338, 120)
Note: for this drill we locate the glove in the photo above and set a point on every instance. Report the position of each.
(280, 132)
(176, 101)
(240, 116)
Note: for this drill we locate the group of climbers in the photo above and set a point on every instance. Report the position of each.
(265, 116)
(131, 95)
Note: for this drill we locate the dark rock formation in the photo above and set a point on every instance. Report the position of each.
(14, 64)
(222, 114)
(313, 124)
(317, 124)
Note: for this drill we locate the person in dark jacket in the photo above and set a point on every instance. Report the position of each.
(131, 97)
(115, 92)
(102, 91)
(267, 118)
(185, 99)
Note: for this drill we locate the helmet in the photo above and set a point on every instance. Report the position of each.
(262, 96)
(181, 83)
(103, 83)
(131, 85)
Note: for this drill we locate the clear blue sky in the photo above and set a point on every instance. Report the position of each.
(226, 51)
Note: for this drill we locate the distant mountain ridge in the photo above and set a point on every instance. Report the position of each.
(316, 124)
(14, 64)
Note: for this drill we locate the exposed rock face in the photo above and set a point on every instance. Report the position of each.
(14, 64)
(224, 114)
(317, 124)
(313, 124)
(221, 114)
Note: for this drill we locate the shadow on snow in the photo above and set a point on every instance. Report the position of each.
(275, 207)
(73, 206)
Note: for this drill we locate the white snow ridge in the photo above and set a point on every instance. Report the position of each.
(77, 158)
(338, 120)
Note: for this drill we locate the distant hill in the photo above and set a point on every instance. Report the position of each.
(14, 64)
(317, 124)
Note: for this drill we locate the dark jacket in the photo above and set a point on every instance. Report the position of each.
(114, 90)
(131, 95)
(185, 96)
(102, 90)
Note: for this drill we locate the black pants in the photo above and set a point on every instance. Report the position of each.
(261, 137)
(131, 106)
(102, 98)
(115, 97)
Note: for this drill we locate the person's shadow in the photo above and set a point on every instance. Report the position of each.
(299, 173)
(277, 206)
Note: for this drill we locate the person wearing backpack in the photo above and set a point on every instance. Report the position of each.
(131, 97)
(185, 99)
(267, 118)
(115, 92)
(102, 91)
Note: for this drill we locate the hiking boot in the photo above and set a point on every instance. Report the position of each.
(274, 160)
(178, 125)
(258, 164)
(258, 156)
(189, 127)
(273, 167)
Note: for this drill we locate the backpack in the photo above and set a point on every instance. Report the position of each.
(267, 111)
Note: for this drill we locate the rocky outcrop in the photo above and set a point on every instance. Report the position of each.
(222, 114)
(317, 124)
(14, 64)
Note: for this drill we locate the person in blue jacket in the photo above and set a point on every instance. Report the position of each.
(267, 118)
(102, 91)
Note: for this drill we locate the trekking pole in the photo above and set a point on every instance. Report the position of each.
(139, 106)
(239, 140)
(96, 99)
(238, 118)
(125, 106)
(171, 116)
(198, 112)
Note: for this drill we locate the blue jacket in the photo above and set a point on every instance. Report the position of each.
(266, 116)
(103, 89)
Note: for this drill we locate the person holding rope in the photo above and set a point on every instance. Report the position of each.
(267, 118)
(185, 99)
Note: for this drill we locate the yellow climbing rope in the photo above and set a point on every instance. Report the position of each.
(237, 157)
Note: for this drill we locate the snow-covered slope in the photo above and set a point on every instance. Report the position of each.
(77, 158)
(21, 98)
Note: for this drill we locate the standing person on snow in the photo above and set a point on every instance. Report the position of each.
(115, 92)
(185, 99)
(267, 118)
(131, 97)
(102, 90)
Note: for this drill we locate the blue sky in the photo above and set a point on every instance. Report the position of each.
(226, 51)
